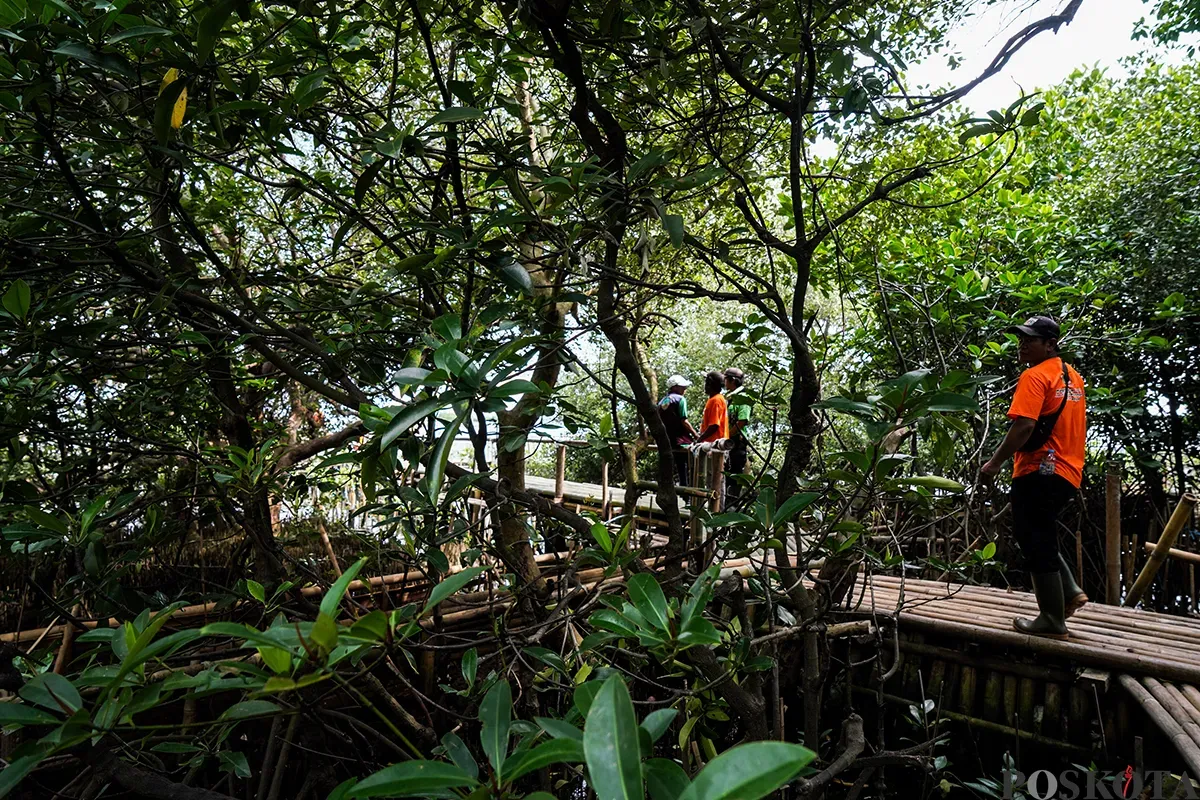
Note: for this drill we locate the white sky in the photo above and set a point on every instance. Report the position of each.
(1099, 36)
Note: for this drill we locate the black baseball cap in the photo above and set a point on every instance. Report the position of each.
(1038, 327)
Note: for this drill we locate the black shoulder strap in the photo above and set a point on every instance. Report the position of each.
(1045, 424)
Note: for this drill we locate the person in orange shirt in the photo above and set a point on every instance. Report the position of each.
(715, 423)
(1047, 436)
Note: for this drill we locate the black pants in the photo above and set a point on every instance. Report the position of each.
(1037, 500)
(735, 464)
(681, 467)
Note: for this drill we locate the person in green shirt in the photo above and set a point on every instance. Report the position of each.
(674, 412)
(739, 419)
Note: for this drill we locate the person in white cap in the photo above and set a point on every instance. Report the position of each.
(673, 410)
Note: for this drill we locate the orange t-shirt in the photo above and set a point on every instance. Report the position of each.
(715, 413)
(1040, 391)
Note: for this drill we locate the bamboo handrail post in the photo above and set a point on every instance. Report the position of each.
(605, 498)
(716, 481)
(560, 473)
(1183, 513)
(1112, 535)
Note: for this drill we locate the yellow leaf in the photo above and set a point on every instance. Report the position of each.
(180, 108)
(168, 79)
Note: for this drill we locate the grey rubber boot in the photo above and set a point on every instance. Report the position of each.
(1048, 588)
(1075, 596)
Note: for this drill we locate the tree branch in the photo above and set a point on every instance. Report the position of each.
(297, 453)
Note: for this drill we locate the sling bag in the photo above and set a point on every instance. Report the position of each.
(1045, 423)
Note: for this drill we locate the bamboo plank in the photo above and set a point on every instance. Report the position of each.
(1165, 722)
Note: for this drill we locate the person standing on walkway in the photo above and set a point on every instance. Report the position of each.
(715, 423)
(674, 411)
(1047, 436)
(739, 419)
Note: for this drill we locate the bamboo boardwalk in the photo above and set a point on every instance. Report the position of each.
(1102, 636)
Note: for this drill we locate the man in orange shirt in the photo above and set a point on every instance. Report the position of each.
(715, 424)
(1047, 437)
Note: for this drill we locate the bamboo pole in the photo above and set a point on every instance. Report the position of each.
(560, 473)
(605, 493)
(333, 559)
(717, 482)
(1183, 513)
(1112, 535)
(1165, 722)
(1174, 552)
(1052, 723)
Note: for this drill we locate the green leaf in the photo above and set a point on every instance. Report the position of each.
(665, 779)
(548, 657)
(674, 226)
(610, 620)
(138, 32)
(406, 418)
(794, 505)
(495, 712)
(976, 130)
(17, 299)
(256, 590)
(66, 9)
(848, 406)
(210, 28)
(749, 771)
(513, 275)
(697, 630)
(365, 180)
(47, 521)
(989, 551)
(18, 768)
(277, 659)
(164, 108)
(555, 751)
(585, 694)
(648, 598)
(234, 763)
(307, 87)
(470, 663)
(53, 691)
(412, 779)
(657, 722)
(250, 708)
(450, 586)
(515, 387)
(372, 627)
(610, 741)
(324, 632)
(457, 749)
(436, 470)
(559, 729)
(459, 114)
(19, 714)
(333, 598)
(949, 401)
